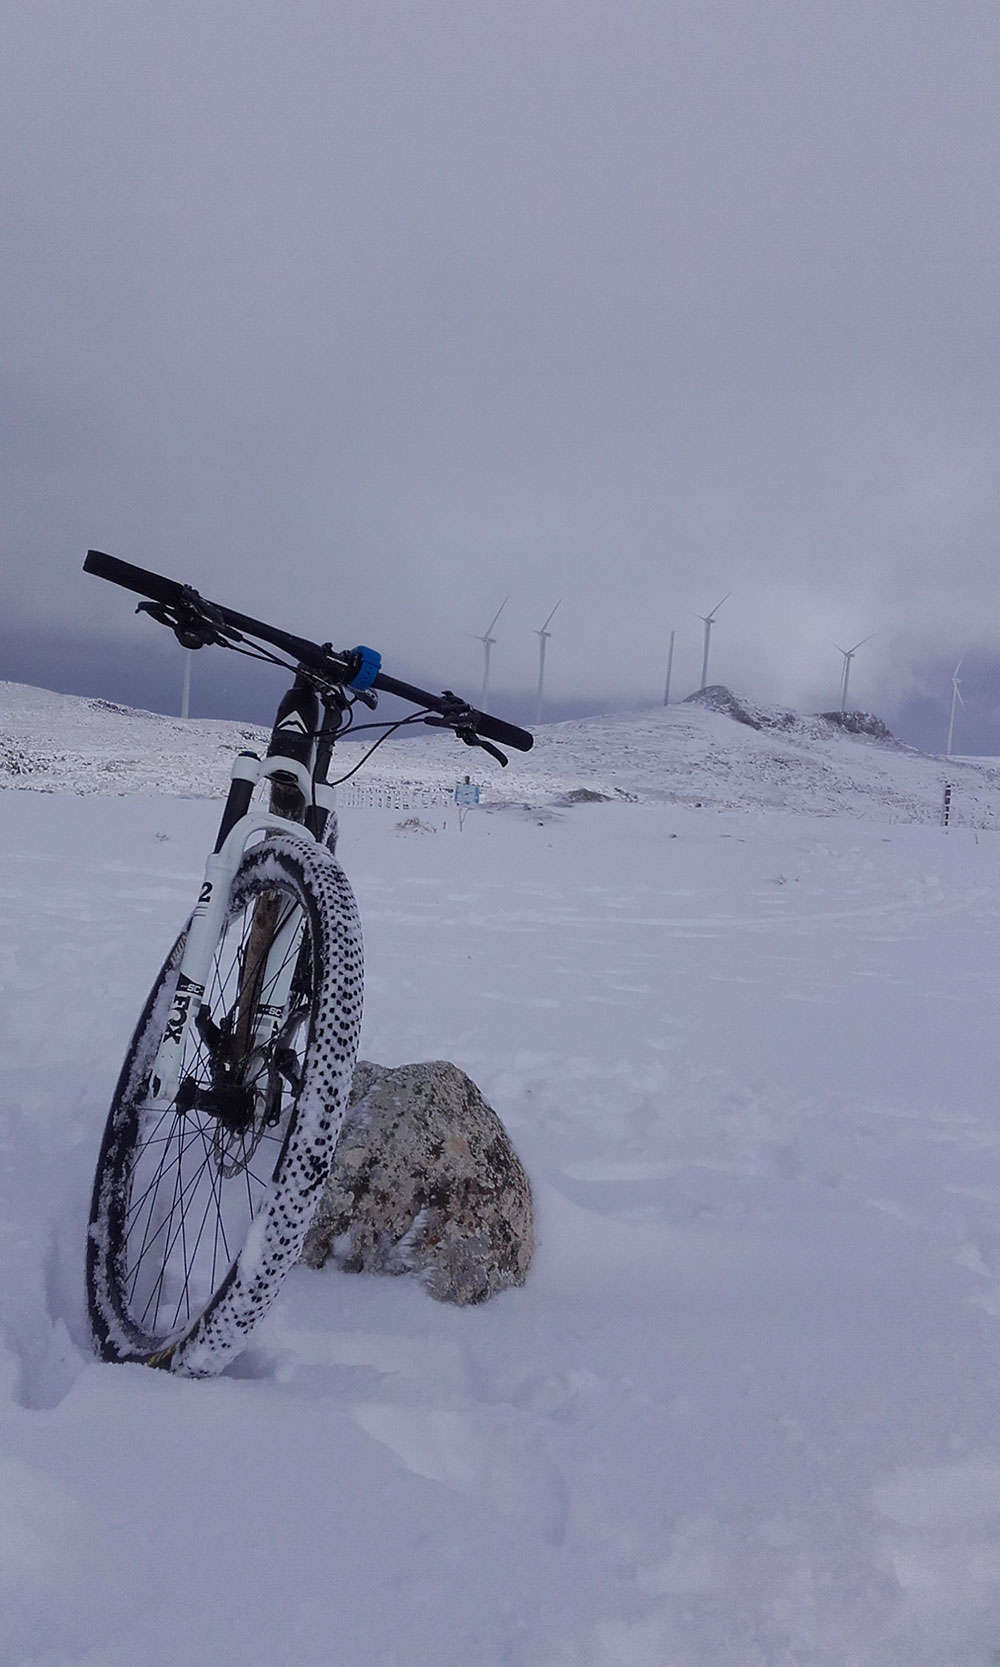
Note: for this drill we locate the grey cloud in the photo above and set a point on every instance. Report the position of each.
(362, 317)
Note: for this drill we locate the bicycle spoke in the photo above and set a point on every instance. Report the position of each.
(154, 1183)
(197, 1242)
(246, 1174)
(189, 1189)
(158, 1287)
(152, 1189)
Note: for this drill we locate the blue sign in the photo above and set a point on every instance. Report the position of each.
(466, 793)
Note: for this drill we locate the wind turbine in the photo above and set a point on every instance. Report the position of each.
(487, 641)
(543, 636)
(709, 621)
(956, 700)
(849, 654)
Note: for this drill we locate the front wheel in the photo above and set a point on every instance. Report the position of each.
(200, 1209)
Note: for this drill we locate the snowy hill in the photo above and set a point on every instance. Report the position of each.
(66, 743)
(716, 752)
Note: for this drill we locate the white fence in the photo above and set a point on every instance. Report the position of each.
(391, 795)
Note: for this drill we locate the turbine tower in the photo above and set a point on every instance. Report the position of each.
(487, 640)
(543, 636)
(709, 621)
(848, 654)
(186, 684)
(956, 700)
(670, 663)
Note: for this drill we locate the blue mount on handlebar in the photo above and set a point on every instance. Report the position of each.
(368, 669)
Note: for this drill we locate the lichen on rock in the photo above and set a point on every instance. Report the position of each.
(425, 1180)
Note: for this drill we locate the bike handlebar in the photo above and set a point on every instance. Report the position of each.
(137, 579)
(339, 668)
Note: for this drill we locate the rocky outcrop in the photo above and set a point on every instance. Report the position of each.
(860, 723)
(425, 1181)
(720, 699)
(717, 698)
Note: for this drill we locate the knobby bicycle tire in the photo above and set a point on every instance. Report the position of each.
(169, 1283)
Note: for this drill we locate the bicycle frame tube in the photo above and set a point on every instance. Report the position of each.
(209, 916)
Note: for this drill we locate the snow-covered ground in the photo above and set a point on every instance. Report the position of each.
(743, 1414)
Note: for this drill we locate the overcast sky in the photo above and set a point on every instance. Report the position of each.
(364, 316)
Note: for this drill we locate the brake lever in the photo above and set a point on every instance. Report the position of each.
(466, 733)
(471, 739)
(157, 611)
(461, 718)
(194, 622)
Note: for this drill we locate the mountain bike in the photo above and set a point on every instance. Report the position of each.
(223, 1124)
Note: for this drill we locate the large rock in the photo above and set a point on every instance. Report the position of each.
(425, 1181)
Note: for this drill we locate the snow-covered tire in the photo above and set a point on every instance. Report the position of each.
(191, 1165)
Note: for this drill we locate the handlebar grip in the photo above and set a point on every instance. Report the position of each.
(508, 735)
(137, 579)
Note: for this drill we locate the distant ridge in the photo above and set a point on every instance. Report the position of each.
(717, 752)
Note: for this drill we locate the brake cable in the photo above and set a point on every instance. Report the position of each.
(198, 624)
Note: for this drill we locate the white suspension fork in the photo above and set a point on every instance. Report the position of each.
(209, 918)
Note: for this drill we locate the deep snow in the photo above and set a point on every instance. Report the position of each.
(745, 1410)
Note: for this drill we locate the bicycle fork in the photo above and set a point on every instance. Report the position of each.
(269, 965)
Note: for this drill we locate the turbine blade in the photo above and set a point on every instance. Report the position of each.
(549, 620)
(496, 616)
